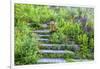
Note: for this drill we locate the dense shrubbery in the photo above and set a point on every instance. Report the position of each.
(26, 45)
(26, 48)
(68, 28)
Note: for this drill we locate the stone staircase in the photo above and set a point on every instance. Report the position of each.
(47, 48)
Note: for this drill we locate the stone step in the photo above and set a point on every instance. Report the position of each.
(42, 31)
(43, 39)
(56, 51)
(60, 47)
(43, 35)
(51, 60)
(41, 26)
(49, 45)
(44, 25)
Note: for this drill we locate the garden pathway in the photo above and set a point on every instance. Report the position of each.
(46, 47)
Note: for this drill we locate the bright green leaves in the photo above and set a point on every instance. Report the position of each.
(68, 29)
(86, 46)
(26, 45)
(57, 37)
(25, 48)
(91, 43)
(83, 41)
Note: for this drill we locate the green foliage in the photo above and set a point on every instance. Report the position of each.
(66, 31)
(85, 46)
(91, 43)
(57, 37)
(26, 45)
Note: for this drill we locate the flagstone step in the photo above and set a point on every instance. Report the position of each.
(44, 25)
(43, 35)
(42, 31)
(56, 51)
(59, 47)
(43, 40)
(48, 45)
(51, 60)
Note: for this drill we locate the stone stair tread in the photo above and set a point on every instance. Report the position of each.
(49, 45)
(41, 35)
(52, 44)
(42, 31)
(44, 25)
(51, 60)
(56, 51)
(42, 39)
